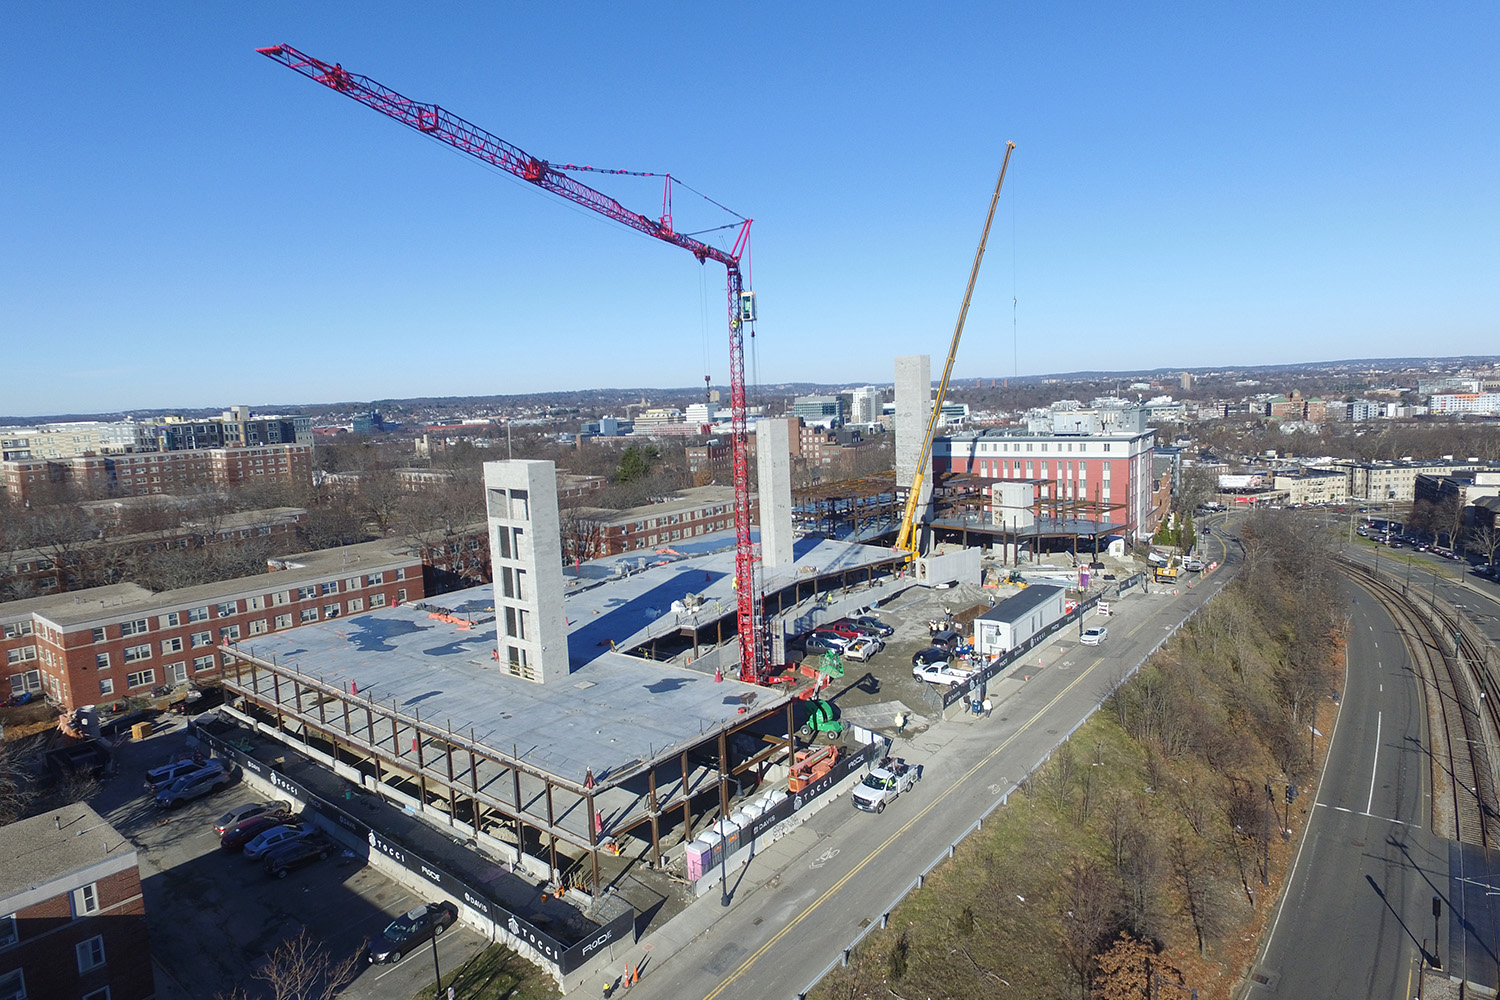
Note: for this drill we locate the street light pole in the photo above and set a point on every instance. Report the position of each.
(437, 973)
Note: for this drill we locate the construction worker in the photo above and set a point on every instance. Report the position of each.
(900, 722)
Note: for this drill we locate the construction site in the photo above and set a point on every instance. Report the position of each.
(600, 745)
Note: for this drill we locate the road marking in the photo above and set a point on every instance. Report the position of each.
(839, 885)
(1374, 766)
(824, 858)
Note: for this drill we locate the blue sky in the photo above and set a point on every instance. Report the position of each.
(186, 223)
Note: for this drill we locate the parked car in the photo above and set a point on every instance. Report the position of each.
(855, 627)
(815, 646)
(864, 647)
(295, 854)
(840, 627)
(211, 777)
(947, 639)
(1193, 564)
(411, 929)
(828, 637)
(1094, 636)
(932, 654)
(880, 628)
(940, 673)
(160, 777)
(274, 837)
(249, 810)
(883, 784)
(243, 832)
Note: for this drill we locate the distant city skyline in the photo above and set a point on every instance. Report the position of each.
(189, 225)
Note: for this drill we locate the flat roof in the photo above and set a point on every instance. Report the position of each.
(1017, 605)
(612, 713)
(80, 607)
(35, 851)
(613, 710)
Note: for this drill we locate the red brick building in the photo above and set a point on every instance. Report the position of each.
(163, 472)
(72, 916)
(100, 645)
(592, 532)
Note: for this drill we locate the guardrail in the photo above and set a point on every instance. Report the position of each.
(978, 824)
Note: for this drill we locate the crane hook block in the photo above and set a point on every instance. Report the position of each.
(747, 307)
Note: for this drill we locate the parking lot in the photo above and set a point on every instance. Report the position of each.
(214, 916)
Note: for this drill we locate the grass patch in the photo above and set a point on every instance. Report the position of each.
(497, 973)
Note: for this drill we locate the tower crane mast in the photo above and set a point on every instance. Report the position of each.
(433, 121)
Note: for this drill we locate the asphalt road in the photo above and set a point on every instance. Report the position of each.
(1357, 912)
(805, 899)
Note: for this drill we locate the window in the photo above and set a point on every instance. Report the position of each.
(401, 574)
(100, 635)
(352, 583)
(29, 681)
(106, 686)
(374, 578)
(255, 603)
(86, 899)
(258, 627)
(229, 608)
(203, 662)
(101, 661)
(141, 678)
(198, 614)
(281, 597)
(90, 953)
(230, 632)
(20, 654)
(201, 639)
(140, 627)
(377, 600)
(16, 629)
(283, 621)
(309, 615)
(331, 587)
(136, 653)
(8, 933)
(306, 593)
(169, 620)
(102, 993)
(356, 604)
(173, 645)
(400, 596)
(331, 610)
(13, 986)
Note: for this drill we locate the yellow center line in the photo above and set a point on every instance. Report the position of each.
(744, 966)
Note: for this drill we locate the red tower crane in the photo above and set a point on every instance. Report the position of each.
(433, 121)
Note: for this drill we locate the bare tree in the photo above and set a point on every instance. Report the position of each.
(302, 969)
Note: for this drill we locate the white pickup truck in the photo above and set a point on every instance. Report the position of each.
(940, 673)
(884, 783)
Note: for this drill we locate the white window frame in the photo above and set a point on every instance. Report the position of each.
(198, 614)
(172, 645)
(233, 606)
(332, 610)
(93, 956)
(259, 627)
(134, 654)
(10, 932)
(141, 678)
(284, 621)
(203, 663)
(202, 639)
(17, 985)
(139, 627)
(106, 687)
(309, 615)
(86, 899)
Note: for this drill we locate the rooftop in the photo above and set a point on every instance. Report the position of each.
(35, 851)
(1014, 607)
(108, 603)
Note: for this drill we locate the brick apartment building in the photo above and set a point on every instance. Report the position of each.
(28, 572)
(592, 532)
(108, 643)
(165, 472)
(72, 916)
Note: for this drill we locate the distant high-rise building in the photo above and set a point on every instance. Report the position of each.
(822, 411)
(1187, 380)
(865, 405)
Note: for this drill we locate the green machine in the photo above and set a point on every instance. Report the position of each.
(821, 720)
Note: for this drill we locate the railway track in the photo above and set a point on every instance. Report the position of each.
(1463, 720)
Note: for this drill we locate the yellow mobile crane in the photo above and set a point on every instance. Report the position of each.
(906, 537)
